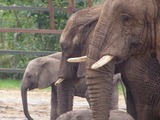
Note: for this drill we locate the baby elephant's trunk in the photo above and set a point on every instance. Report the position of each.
(25, 103)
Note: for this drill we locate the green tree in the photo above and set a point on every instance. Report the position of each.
(30, 20)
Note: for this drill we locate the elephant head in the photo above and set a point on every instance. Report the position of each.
(124, 29)
(74, 40)
(40, 73)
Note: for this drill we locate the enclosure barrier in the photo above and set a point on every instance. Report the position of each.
(18, 52)
(71, 9)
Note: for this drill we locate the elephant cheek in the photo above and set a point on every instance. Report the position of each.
(33, 86)
(67, 70)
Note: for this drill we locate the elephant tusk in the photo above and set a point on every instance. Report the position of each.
(59, 81)
(77, 59)
(103, 61)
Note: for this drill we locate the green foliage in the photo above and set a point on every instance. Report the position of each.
(120, 89)
(97, 2)
(25, 41)
(28, 19)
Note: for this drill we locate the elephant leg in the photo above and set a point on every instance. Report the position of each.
(87, 97)
(114, 98)
(65, 94)
(130, 104)
(53, 114)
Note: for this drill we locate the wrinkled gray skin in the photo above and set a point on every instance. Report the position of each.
(115, 95)
(86, 115)
(47, 65)
(129, 30)
(81, 84)
(74, 42)
(41, 73)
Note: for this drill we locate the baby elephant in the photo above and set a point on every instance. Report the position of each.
(42, 72)
(86, 115)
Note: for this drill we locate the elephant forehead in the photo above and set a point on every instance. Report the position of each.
(32, 65)
(135, 7)
(68, 28)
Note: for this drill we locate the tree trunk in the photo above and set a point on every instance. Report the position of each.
(67, 70)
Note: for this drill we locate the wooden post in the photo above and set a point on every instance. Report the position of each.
(51, 13)
(71, 6)
(89, 3)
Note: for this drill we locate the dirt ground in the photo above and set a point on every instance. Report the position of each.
(39, 104)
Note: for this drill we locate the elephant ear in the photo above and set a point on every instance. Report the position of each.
(158, 33)
(158, 41)
(56, 55)
(49, 72)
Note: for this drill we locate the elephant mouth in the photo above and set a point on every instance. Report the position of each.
(33, 86)
(100, 63)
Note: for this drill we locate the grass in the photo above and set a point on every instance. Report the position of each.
(16, 84)
(120, 89)
(10, 84)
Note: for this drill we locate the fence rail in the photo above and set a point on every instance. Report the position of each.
(11, 70)
(18, 52)
(41, 9)
(71, 8)
(45, 31)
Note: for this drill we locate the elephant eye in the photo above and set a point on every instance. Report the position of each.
(64, 46)
(29, 76)
(126, 20)
(65, 49)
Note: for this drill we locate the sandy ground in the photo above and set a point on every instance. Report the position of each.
(39, 104)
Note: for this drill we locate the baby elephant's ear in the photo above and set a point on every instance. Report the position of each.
(49, 73)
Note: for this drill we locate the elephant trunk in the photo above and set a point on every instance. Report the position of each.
(65, 96)
(25, 103)
(99, 80)
(100, 89)
(67, 70)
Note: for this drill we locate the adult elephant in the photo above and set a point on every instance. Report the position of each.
(74, 42)
(127, 34)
